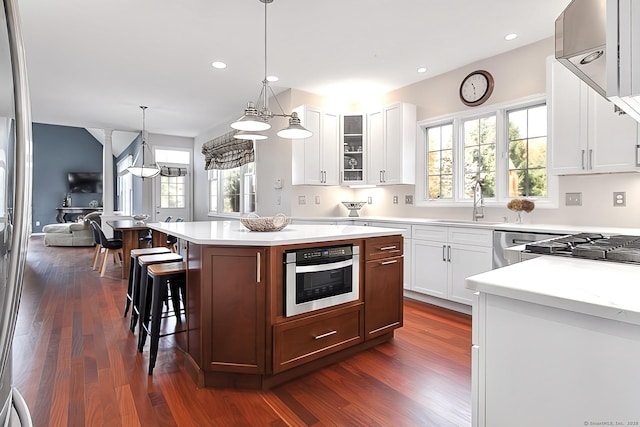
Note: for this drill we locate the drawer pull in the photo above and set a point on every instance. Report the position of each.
(389, 262)
(328, 334)
(388, 248)
(258, 267)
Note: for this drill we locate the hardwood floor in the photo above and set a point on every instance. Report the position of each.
(76, 364)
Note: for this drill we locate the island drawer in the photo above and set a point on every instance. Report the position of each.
(303, 340)
(383, 247)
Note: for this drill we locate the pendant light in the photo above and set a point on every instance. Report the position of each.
(257, 115)
(143, 170)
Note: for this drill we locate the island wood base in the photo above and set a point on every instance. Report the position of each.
(238, 335)
(265, 382)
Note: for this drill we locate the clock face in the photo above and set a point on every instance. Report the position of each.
(476, 88)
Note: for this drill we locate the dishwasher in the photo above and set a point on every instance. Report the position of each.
(503, 239)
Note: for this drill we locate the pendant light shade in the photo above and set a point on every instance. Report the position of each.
(256, 116)
(254, 136)
(143, 170)
(295, 129)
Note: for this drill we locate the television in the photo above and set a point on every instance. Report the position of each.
(85, 182)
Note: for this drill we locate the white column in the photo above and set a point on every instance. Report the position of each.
(107, 175)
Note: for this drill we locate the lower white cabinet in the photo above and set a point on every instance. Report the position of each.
(443, 257)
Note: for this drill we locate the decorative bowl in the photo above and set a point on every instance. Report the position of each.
(141, 217)
(353, 207)
(265, 223)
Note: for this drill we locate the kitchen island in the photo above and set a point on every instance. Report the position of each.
(556, 341)
(238, 334)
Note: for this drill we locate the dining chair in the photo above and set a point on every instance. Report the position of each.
(113, 246)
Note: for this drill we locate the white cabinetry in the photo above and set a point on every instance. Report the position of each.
(443, 257)
(587, 136)
(391, 134)
(315, 160)
(354, 147)
(536, 365)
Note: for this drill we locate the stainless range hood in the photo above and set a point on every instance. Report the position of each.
(599, 41)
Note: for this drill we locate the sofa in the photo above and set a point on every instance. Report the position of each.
(71, 233)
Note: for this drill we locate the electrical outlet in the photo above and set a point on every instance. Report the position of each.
(37, 223)
(317, 200)
(395, 200)
(408, 200)
(573, 199)
(619, 198)
(302, 200)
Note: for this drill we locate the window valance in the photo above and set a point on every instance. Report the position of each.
(226, 152)
(172, 171)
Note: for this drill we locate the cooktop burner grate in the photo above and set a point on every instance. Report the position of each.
(619, 248)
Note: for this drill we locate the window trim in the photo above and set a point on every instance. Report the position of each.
(502, 156)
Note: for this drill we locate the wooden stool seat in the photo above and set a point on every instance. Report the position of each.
(134, 270)
(160, 275)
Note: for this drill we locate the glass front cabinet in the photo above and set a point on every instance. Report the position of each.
(353, 149)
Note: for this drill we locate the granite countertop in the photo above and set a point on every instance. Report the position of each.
(234, 233)
(598, 288)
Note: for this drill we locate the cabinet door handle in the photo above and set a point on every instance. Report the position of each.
(380, 177)
(448, 253)
(384, 176)
(444, 253)
(389, 262)
(328, 334)
(590, 158)
(258, 267)
(583, 159)
(388, 248)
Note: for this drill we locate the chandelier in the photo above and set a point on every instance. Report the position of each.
(143, 170)
(257, 115)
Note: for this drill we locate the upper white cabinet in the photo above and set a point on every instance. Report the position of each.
(587, 135)
(391, 135)
(315, 160)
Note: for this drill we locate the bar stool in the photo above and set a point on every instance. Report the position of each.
(144, 294)
(133, 276)
(161, 275)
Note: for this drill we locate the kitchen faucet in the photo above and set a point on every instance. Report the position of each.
(478, 200)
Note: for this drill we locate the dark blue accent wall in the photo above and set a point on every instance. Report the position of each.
(58, 150)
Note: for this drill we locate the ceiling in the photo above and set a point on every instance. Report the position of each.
(92, 63)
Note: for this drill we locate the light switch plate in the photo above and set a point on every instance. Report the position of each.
(408, 200)
(395, 200)
(302, 200)
(573, 199)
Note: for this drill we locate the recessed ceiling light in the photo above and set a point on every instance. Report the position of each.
(511, 36)
(422, 69)
(272, 78)
(219, 65)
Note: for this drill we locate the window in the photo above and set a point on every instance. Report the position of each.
(172, 192)
(528, 151)
(479, 143)
(125, 186)
(504, 146)
(440, 161)
(232, 191)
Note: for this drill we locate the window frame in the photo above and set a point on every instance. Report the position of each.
(502, 156)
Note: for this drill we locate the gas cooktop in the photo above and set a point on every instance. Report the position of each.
(595, 246)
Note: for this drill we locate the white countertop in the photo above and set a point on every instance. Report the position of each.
(507, 226)
(234, 233)
(597, 288)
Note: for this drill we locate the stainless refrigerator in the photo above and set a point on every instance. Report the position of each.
(15, 201)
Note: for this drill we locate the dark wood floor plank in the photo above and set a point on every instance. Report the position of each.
(77, 363)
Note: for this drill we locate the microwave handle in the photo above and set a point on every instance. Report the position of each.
(324, 267)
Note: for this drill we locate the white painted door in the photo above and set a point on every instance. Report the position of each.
(467, 261)
(430, 268)
(172, 194)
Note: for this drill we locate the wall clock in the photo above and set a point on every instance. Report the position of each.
(476, 88)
